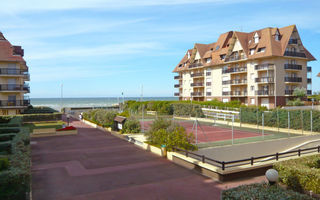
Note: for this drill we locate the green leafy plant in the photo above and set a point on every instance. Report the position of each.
(131, 125)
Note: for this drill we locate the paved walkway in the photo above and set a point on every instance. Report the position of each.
(95, 165)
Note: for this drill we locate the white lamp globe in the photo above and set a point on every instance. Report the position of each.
(272, 175)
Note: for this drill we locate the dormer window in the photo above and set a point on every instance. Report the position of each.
(223, 56)
(188, 55)
(208, 60)
(261, 50)
(217, 47)
(277, 37)
(180, 65)
(256, 38)
(251, 51)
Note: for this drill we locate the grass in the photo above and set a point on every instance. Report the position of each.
(40, 125)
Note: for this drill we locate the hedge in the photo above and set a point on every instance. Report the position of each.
(39, 110)
(262, 191)
(101, 117)
(4, 163)
(300, 174)
(131, 125)
(41, 117)
(182, 109)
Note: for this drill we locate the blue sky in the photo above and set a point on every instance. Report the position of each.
(99, 48)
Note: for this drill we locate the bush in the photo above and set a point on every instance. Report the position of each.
(296, 102)
(262, 192)
(131, 125)
(164, 132)
(300, 174)
(183, 109)
(101, 117)
(38, 110)
(41, 117)
(4, 163)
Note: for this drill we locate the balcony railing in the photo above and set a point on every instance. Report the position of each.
(197, 74)
(309, 69)
(309, 80)
(309, 92)
(9, 71)
(14, 87)
(235, 81)
(208, 73)
(292, 66)
(197, 94)
(9, 103)
(208, 93)
(208, 84)
(294, 54)
(288, 92)
(234, 58)
(293, 79)
(293, 41)
(195, 65)
(268, 66)
(177, 85)
(264, 92)
(177, 77)
(239, 93)
(234, 70)
(265, 80)
(226, 93)
(199, 84)
(177, 94)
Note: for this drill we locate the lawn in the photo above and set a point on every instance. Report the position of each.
(40, 125)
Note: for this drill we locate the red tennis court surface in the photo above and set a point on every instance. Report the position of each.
(208, 133)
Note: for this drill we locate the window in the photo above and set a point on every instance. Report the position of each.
(188, 55)
(223, 56)
(252, 76)
(208, 60)
(217, 47)
(251, 51)
(252, 101)
(252, 88)
(256, 38)
(277, 37)
(180, 65)
(263, 49)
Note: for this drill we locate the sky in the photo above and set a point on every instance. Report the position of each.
(101, 48)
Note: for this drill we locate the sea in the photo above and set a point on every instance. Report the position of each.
(58, 103)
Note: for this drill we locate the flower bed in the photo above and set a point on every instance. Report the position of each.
(68, 128)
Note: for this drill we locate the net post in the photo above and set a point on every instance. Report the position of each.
(301, 116)
(262, 125)
(232, 128)
(288, 122)
(311, 123)
(240, 116)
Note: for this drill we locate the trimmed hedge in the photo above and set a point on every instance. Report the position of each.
(300, 174)
(41, 117)
(39, 110)
(182, 109)
(101, 117)
(262, 192)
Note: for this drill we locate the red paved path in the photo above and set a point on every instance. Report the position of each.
(94, 165)
(211, 133)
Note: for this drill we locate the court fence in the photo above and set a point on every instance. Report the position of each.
(248, 161)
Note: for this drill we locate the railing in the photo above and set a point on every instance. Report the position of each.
(265, 80)
(195, 65)
(208, 94)
(196, 84)
(292, 66)
(293, 41)
(239, 93)
(294, 54)
(177, 94)
(238, 81)
(177, 77)
(309, 80)
(197, 74)
(208, 73)
(177, 85)
(9, 71)
(9, 103)
(309, 69)
(234, 70)
(197, 94)
(247, 161)
(208, 84)
(288, 92)
(264, 92)
(226, 93)
(264, 67)
(293, 79)
(234, 58)
(309, 92)
(14, 87)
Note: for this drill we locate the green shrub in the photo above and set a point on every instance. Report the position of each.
(41, 117)
(131, 125)
(5, 147)
(4, 163)
(101, 117)
(6, 137)
(183, 109)
(300, 174)
(262, 192)
(38, 110)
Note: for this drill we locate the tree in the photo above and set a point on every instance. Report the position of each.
(299, 92)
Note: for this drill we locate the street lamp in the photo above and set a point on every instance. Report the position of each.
(272, 176)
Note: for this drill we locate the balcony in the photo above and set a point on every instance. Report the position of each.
(14, 88)
(309, 80)
(177, 85)
(177, 94)
(197, 94)
(309, 69)
(208, 94)
(235, 70)
(292, 67)
(226, 93)
(12, 72)
(264, 80)
(309, 92)
(177, 77)
(238, 81)
(208, 84)
(293, 79)
(194, 65)
(208, 73)
(294, 54)
(262, 67)
(239, 93)
(14, 103)
(288, 92)
(197, 74)
(235, 58)
(264, 92)
(293, 41)
(199, 84)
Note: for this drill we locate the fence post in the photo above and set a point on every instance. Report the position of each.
(240, 116)
(223, 165)
(299, 152)
(257, 118)
(262, 125)
(232, 127)
(203, 158)
(186, 153)
(311, 124)
(301, 116)
(288, 122)
(318, 149)
(278, 119)
(277, 156)
(252, 160)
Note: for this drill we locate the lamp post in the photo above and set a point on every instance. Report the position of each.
(272, 175)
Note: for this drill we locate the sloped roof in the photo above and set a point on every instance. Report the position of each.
(266, 40)
(7, 51)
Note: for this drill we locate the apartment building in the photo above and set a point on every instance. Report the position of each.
(262, 67)
(13, 77)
